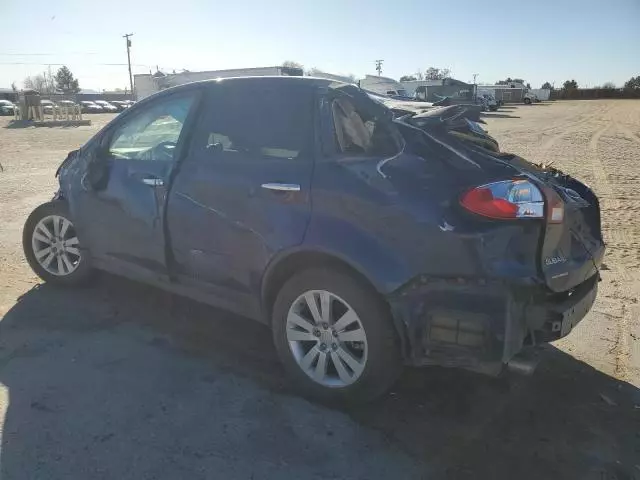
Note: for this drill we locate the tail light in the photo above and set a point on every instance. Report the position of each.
(513, 199)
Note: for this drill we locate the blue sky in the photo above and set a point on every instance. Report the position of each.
(590, 41)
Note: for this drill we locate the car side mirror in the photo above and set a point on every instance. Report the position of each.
(97, 175)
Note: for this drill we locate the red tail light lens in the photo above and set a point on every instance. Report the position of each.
(512, 199)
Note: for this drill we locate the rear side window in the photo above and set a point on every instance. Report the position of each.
(356, 134)
(258, 122)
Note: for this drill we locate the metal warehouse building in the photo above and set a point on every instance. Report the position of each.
(513, 93)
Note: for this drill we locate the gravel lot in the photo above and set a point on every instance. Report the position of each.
(119, 381)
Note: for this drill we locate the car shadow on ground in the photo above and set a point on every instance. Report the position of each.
(498, 115)
(118, 380)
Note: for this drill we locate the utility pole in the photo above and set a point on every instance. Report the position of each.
(475, 87)
(129, 59)
(379, 66)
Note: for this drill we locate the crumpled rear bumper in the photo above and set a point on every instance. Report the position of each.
(480, 325)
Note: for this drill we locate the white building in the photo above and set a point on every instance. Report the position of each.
(382, 85)
(331, 76)
(148, 84)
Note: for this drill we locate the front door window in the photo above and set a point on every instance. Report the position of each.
(153, 133)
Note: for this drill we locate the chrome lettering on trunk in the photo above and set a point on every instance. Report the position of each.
(554, 260)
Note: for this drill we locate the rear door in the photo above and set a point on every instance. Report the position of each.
(242, 193)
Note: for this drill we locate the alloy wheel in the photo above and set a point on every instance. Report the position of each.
(55, 245)
(327, 338)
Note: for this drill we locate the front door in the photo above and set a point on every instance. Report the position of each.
(242, 193)
(121, 217)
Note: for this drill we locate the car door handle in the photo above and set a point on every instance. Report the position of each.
(153, 182)
(282, 187)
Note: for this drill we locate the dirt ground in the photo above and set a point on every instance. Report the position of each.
(118, 380)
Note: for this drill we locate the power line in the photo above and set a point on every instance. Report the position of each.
(47, 54)
(77, 63)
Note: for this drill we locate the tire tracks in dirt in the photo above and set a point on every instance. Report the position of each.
(621, 347)
(567, 128)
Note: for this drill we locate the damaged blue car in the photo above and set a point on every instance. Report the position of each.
(367, 235)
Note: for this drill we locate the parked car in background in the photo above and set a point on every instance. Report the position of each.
(66, 103)
(490, 100)
(90, 107)
(529, 98)
(7, 107)
(120, 105)
(106, 106)
(364, 240)
(47, 106)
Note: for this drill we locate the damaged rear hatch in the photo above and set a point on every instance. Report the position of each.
(570, 248)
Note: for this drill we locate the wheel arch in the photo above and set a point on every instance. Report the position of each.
(287, 264)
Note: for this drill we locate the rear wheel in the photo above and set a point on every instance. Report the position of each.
(51, 245)
(527, 101)
(335, 337)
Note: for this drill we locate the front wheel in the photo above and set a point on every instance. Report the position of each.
(51, 245)
(335, 337)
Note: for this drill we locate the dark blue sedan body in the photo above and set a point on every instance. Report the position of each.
(227, 220)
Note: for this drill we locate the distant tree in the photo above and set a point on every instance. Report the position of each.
(433, 73)
(419, 75)
(407, 78)
(14, 87)
(65, 81)
(570, 85)
(529, 86)
(291, 64)
(633, 83)
(39, 83)
(609, 85)
(509, 80)
(547, 86)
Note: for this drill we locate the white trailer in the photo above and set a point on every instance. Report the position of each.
(543, 94)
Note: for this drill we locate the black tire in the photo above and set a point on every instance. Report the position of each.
(527, 101)
(384, 362)
(82, 272)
